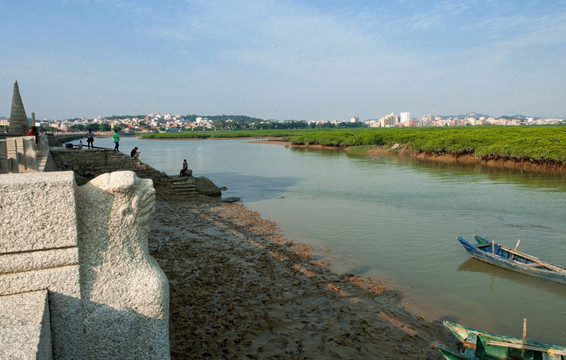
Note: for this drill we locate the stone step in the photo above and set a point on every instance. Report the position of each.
(183, 185)
(185, 188)
(186, 192)
(181, 179)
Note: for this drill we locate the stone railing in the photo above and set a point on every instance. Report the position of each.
(23, 154)
(76, 278)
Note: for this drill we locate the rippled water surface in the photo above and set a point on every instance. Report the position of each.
(398, 220)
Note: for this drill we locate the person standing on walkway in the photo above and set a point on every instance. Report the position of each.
(116, 140)
(90, 139)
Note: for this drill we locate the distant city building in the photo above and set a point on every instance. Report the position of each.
(354, 119)
(404, 116)
(427, 118)
(388, 120)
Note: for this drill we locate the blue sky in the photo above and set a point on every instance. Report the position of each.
(284, 59)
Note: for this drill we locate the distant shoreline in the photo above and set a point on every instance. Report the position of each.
(470, 160)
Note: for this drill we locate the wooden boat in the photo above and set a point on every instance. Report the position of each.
(478, 344)
(512, 259)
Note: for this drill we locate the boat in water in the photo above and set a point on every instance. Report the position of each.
(511, 259)
(480, 345)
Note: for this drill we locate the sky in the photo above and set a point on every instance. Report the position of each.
(284, 59)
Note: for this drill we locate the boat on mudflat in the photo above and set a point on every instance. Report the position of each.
(479, 344)
(499, 255)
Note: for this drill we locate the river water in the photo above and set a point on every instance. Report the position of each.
(398, 220)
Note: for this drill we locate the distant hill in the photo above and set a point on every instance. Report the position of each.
(243, 118)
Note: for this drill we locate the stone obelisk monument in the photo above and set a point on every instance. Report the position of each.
(18, 119)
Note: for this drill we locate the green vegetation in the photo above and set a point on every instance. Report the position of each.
(93, 127)
(77, 128)
(360, 150)
(541, 143)
(48, 129)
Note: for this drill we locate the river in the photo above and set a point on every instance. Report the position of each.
(398, 220)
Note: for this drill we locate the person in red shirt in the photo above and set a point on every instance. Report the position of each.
(33, 132)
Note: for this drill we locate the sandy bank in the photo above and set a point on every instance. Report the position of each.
(241, 290)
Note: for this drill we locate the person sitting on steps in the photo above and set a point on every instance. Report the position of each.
(135, 153)
(184, 169)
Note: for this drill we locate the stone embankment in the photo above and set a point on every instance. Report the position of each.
(88, 164)
(91, 163)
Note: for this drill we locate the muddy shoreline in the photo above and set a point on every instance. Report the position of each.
(239, 289)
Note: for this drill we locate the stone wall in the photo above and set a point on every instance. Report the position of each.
(91, 163)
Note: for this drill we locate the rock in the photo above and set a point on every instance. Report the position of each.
(206, 187)
(232, 199)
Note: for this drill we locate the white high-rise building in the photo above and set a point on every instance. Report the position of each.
(404, 116)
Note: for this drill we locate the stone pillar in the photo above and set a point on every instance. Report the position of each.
(18, 120)
(124, 292)
(42, 146)
(29, 154)
(12, 155)
(4, 161)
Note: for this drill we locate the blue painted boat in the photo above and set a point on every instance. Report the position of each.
(511, 259)
(477, 344)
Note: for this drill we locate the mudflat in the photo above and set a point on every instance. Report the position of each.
(239, 289)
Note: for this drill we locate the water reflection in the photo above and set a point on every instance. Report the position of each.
(530, 179)
(253, 187)
(477, 266)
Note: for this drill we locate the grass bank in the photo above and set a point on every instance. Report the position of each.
(536, 144)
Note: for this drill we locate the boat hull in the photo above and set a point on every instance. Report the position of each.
(478, 344)
(490, 253)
